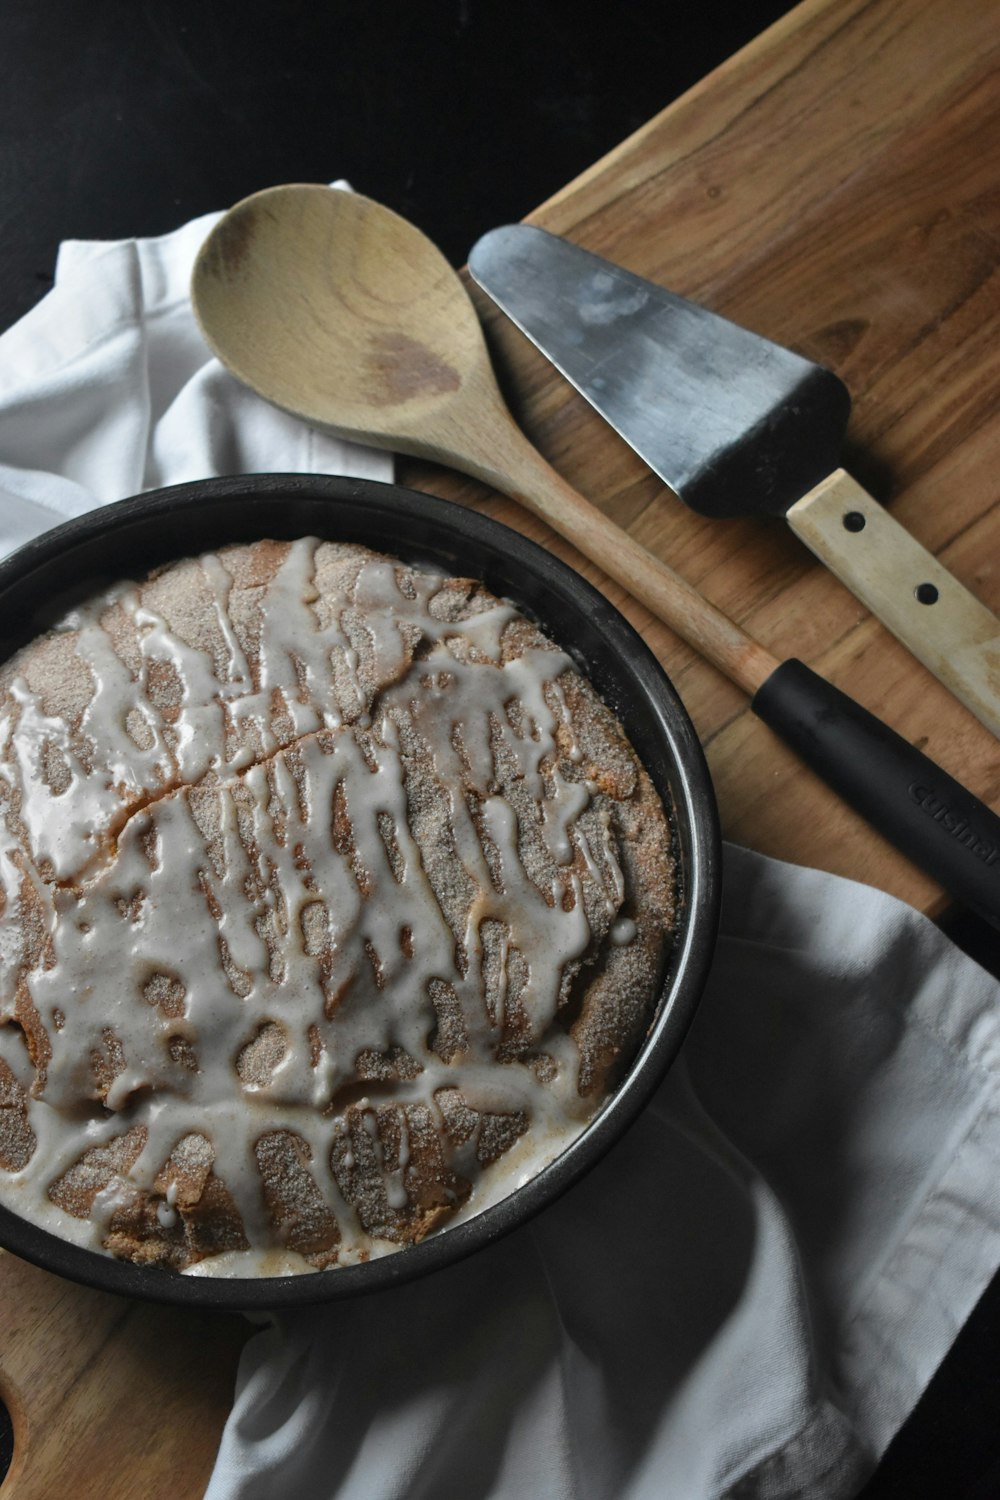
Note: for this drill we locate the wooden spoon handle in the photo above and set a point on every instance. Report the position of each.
(504, 459)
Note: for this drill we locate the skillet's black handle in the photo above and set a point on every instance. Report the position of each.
(933, 819)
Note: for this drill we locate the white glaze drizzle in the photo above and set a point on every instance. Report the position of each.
(199, 866)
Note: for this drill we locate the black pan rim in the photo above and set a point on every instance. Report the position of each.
(174, 522)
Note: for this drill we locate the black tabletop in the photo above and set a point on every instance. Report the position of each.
(123, 117)
(128, 117)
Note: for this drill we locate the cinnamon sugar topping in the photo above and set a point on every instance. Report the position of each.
(333, 902)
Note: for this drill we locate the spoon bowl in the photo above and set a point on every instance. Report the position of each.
(337, 309)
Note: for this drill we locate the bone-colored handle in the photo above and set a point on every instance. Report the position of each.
(947, 628)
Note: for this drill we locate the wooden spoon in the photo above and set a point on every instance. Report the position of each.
(339, 311)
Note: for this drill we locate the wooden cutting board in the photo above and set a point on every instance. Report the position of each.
(834, 187)
(110, 1399)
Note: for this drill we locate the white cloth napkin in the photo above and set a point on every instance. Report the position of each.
(747, 1297)
(107, 388)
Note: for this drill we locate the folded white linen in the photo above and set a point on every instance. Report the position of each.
(819, 1213)
(108, 388)
(817, 1175)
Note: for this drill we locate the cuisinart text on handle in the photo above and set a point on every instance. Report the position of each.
(953, 823)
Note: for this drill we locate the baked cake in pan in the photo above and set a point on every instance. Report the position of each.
(334, 903)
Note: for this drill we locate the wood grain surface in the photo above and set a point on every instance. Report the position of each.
(834, 187)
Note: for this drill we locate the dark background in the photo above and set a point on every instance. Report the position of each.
(128, 117)
(122, 117)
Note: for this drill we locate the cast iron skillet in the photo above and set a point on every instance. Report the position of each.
(46, 577)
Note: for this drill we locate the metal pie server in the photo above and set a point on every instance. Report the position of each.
(737, 425)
